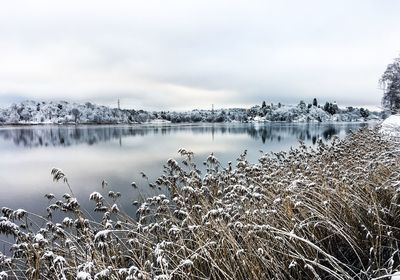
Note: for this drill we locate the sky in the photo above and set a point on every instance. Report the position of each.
(185, 54)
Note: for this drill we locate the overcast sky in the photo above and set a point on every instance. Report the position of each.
(187, 54)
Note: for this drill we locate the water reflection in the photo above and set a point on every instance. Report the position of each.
(45, 136)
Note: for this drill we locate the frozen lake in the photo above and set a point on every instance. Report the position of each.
(117, 154)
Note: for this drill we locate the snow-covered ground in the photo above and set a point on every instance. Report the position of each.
(63, 112)
(391, 127)
(396, 276)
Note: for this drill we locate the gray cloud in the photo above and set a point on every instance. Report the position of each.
(185, 54)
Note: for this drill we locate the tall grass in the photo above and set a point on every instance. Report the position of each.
(332, 212)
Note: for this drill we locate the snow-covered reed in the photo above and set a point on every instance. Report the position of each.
(326, 213)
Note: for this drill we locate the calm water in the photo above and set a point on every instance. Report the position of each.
(117, 154)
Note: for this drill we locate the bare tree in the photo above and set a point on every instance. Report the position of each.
(76, 113)
(390, 83)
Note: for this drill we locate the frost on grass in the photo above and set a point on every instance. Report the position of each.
(96, 196)
(325, 213)
(7, 227)
(3, 275)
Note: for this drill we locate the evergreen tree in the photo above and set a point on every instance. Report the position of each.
(331, 108)
(263, 104)
(364, 112)
(327, 107)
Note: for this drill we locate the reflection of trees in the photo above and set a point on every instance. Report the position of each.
(329, 132)
(304, 132)
(72, 135)
(66, 136)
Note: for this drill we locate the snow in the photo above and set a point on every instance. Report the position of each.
(19, 214)
(101, 235)
(114, 208)
(159, 121)
(391, 126)
(103, 274)
(39, 238)
(162, 277)
(395, 276)
(95, 196)
(292, 264)
(67, 221)
(48, 255)
(83, 276)
(59, 260)
(63, 112)
(8, 227)
(186, 263)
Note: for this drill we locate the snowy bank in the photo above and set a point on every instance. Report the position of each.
(391, 126)
(396, 276)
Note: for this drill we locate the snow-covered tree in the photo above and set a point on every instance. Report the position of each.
(390, 83)
(302, 105)
(331, 108)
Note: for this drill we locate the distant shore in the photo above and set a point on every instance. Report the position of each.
(181, 123)
(62, 112)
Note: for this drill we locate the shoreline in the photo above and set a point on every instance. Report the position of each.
(183, 123)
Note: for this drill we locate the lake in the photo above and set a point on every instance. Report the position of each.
(117, 154)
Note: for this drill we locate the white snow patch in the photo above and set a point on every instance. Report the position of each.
(39, 238)
(83, 276)
(103, 274)
(395, 276)
(186, 262)
(391, 126)
(159, 121)
(103, 234)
